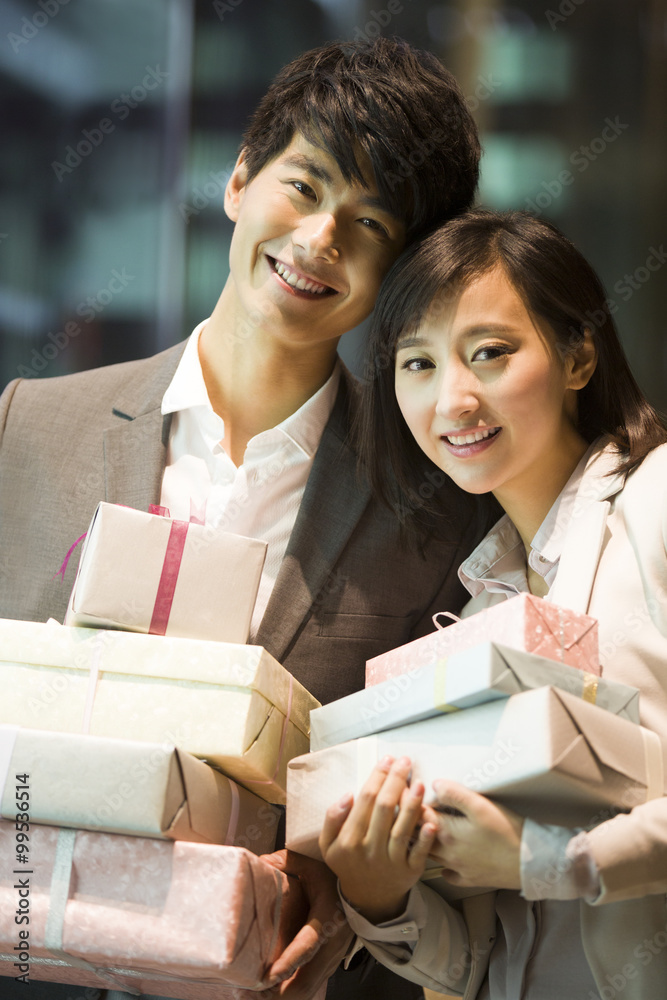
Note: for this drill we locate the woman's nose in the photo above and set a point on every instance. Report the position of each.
(456, 395)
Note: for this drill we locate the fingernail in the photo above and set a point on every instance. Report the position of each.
(386, 761)
(345, 801)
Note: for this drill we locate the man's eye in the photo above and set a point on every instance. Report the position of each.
(304, 188)
(374, 224)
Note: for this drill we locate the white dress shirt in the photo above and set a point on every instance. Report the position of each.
(260, 498)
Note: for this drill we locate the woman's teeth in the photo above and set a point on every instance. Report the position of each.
(472, 436)
(303, 284)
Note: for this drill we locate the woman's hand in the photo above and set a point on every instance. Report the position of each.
(372, 844)
(482, 846)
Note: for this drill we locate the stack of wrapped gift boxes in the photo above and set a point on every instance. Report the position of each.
(143, 752)
(509, 702)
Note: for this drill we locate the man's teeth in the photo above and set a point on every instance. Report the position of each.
(471, 437)
(301, 283)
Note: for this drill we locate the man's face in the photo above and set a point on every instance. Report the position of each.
(309, 249)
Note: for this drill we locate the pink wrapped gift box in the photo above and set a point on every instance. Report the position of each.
(523, 622)
(147, 916)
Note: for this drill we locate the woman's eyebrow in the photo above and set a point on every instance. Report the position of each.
(478, 330)
(411, 340)
(482, 328)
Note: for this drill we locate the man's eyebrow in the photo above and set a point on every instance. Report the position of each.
(303, 162)
(315, 169)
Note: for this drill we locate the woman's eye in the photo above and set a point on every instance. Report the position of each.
(491, 352)
(416, 364)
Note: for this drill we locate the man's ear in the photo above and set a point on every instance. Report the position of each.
(236, 186)
(582, 361)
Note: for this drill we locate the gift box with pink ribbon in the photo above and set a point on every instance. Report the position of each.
(523, 622)
(232, 704)
(147, 572)
(122, 786)
(146, 916)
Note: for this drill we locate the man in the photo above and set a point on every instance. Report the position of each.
(355, 150)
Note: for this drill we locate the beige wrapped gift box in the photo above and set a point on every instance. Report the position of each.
(122, 786)
(147, 916)
(483, 673)
(545, 753)
(233, 705)
(148, 573)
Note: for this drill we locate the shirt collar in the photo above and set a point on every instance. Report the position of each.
(303, 428)
(187, 388)
(498, 564)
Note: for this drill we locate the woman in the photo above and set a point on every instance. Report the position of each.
(507, 374)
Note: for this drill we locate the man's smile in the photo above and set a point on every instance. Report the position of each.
(298, 281)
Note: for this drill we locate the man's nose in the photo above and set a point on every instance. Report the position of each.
(317, 235)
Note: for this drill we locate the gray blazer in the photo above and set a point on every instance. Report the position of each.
(347, 589)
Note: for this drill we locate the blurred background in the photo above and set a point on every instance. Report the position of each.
(121, 121)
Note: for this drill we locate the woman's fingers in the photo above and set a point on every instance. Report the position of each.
(406, 820)
(387, 800)
(349, 819)
(333, 822)
(384, 818)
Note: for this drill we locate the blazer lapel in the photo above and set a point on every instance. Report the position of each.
(580, 557)
(135, 445)
(332, 504)
(585, 536)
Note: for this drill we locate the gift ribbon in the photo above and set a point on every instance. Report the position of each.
(233, 814)
(447, 614)
(283, 736)
(63, 568)
(169, 577)
(55, 921)
(171, 566)
(440, 688)
(93, 678)
(590, 688)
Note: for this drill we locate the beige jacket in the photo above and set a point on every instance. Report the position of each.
(613, 566)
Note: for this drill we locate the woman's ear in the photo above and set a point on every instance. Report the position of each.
(582, 361)
(236, 186)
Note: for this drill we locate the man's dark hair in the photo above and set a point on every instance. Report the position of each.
(386, 99)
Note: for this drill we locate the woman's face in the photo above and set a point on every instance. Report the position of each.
(488, 397)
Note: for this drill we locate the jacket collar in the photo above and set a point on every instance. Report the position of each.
(135, 443)
(326, 519)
